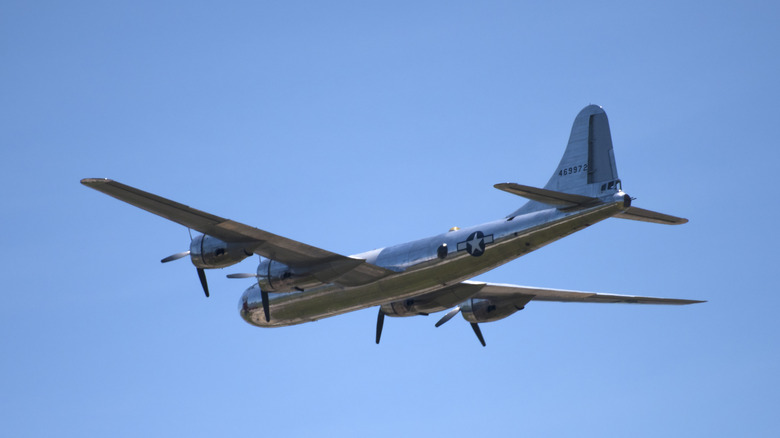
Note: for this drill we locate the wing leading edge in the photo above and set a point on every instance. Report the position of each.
(321, 263)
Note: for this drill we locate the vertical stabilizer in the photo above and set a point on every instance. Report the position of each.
(588, 164)
(589, 160)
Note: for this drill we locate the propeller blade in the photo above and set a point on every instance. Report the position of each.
(242, 276)
(266, 309)
(380, 322)
(176, 256)
(478, 332)
(448, 316)
(202, 276)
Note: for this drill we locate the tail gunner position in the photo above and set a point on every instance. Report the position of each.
(297, 283)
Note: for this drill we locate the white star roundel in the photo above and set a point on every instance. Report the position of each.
(475, 243)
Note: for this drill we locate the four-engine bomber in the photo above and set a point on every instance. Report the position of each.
(297, 283)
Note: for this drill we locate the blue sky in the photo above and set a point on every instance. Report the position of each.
(356, 125)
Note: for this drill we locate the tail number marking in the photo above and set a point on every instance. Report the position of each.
(572, 170)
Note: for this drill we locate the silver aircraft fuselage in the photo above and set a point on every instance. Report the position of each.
(421, 269)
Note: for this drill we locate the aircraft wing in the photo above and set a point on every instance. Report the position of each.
(295, 254)
(505, 291)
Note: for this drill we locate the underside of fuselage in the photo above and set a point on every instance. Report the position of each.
(420, 268)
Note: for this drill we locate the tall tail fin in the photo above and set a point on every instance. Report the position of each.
(588, 164)
(589, 160)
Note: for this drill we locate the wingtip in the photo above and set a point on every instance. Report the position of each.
(94, 181)
(685, 302)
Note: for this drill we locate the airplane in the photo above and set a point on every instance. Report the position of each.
(298, 283)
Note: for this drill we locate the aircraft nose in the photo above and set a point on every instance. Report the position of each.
(243, 302)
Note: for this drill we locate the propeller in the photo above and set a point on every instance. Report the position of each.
(474, 325)
(242, 276)
(266, 305)
(176, 256)
(201, 272)
(448, 316)
(263, 294)
(478, 332)
(203, 282)
(380, 322)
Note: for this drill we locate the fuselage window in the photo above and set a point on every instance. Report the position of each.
(612, 184)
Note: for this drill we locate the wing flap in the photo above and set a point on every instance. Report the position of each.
(321, 263)
(503, 291)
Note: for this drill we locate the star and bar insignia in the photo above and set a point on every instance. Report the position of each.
(475, 243)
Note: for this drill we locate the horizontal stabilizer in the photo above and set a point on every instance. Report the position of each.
(640, 214)
(549, 197)
(502, 291)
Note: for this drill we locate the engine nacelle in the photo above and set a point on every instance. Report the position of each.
(477, 310)
(432, 302)
(273, 276)
(401, 308)
(209, 252)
